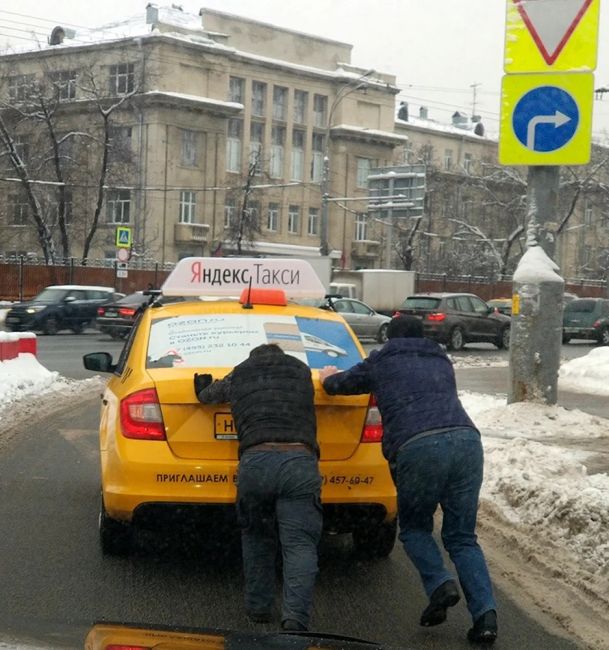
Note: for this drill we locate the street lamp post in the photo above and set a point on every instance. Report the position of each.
(347, 89)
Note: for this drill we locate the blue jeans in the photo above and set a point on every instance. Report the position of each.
(444, 469)
(279, 496)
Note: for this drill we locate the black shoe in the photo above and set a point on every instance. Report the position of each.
(259, 617)
(290, 625)
(485, 628)
(445, 596)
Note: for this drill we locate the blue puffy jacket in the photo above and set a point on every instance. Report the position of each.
(414, 384)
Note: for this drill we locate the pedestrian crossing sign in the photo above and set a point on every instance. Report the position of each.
(123, 237)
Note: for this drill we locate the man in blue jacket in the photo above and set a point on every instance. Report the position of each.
(436, 457)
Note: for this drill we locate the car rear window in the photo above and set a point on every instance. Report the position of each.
(581, 306)
(416, 302)
(224, 340)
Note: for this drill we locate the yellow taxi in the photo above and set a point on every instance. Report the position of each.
(161, 449)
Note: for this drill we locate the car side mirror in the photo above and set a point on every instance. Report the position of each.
(99, 362)
(69, 299)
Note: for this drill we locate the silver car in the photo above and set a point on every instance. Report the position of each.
(363, 320)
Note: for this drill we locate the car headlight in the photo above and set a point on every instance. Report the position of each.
(33, 310)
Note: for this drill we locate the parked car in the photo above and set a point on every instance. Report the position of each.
(586, 318)
(60, 307)
(502, 305)
(363, 320)
(455, 319)
(117, 318)
(568, 297)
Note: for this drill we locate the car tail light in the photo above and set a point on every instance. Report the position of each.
(141, 416)
(101, 311)
(373, 427)
(437, 317)
(597, 323)
(126, 311)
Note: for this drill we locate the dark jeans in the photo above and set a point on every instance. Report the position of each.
(279, 495)
(444, 469)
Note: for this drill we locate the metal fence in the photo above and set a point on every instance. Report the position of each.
(23, 279)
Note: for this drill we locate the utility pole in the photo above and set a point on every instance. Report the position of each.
(474, 88)
(347, 89)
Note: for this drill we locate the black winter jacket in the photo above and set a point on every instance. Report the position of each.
(414, 384)
(272, 400)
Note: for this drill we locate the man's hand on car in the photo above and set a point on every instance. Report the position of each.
(202, 381)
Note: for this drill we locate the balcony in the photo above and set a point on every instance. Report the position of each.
(186, 233)
(366, 248)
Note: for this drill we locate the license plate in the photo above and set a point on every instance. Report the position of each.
(224, 427)
(570, 330)
(111, 314)
(12, 319)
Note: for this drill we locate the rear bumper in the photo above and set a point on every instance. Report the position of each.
(154, 476)
(582, 332)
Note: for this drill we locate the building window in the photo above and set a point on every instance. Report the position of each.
(253, 213)
(20, 87)
(65, 82)
(118, 206)
(233, 145)
(272, 221)
(317, 162)
(298, 155)
(18, 210)
(230, 211)
(68, 207)
(300, 106)
(277, 149)
(236, 88)
(588, 213)
(363, 171)
(258, 98)
(188, 202)
(320, 108)
(120, 143)
(407, 153)
(313, 228)
(280, 103)
(467, 162)
(256, 144)
(448, 159)
(294, 219)
(189, 148)
(361, 226)
(122, 78)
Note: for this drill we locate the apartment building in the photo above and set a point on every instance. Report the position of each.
(217, 130)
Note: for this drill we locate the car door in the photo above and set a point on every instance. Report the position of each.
(366, 320)
(75, 303)
(465, 316)
(484, 328)
(345, 309)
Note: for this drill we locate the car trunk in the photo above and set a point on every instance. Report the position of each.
(421, 307)
(580, 313)
(206, 432)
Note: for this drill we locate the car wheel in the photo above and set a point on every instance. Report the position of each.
(566, 338)
(503, 340)
(50, 326)
(77, 328)
(115, 536)
(381, 337)
(117, 335)
(376, 542)
(456, 339)
(604, 338)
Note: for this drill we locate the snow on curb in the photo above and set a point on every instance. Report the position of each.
(587, 374)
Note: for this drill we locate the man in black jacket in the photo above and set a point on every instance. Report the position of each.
(435, 455)
(271, 397)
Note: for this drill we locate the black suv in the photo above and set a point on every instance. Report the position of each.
(586, 318)
(455, 319)
(59, 307)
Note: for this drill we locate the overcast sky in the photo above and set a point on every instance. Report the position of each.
(436, 48)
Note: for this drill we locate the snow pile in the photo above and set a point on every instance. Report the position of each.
(23, 376)
(587, 374)
(534, 479)
(536, 266)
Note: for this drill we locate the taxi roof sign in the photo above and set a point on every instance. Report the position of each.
(228, 276)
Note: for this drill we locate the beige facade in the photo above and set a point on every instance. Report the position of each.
(204, 93)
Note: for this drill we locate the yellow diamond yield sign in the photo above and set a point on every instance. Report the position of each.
(546, 119)
(551, 35)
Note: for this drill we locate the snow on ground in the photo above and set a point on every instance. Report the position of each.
(587, 374)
